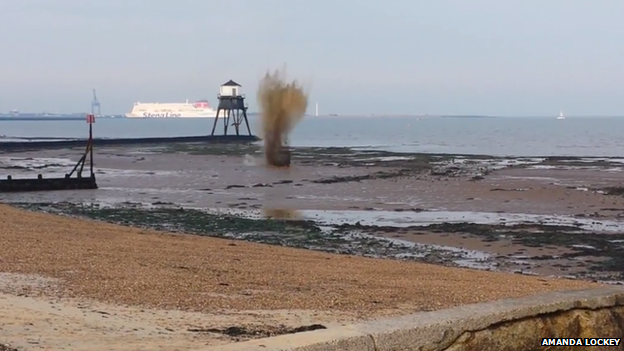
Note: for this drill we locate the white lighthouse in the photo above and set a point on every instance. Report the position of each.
(230, 88)
(231, 108)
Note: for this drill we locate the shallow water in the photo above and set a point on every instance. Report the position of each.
(459, 256)
(403, 219)
(497, 136)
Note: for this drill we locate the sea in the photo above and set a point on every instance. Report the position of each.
(501, 136)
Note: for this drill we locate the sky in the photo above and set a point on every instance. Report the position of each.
(486, 57)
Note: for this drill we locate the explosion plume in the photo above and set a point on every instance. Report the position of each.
(282, 105)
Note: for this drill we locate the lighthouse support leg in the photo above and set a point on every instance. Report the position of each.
(214, 125)
(237, 122)
(226, 121)
(246, 121)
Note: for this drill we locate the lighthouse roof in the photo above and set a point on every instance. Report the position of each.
(230, 83)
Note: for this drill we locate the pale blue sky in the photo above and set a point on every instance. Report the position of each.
(495, 57)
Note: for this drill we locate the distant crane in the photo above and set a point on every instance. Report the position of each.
(95, 104)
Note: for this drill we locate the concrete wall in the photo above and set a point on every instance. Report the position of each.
(503, 325)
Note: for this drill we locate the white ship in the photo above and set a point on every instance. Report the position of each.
(198, 109)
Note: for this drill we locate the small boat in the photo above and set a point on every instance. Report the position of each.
(561, 116)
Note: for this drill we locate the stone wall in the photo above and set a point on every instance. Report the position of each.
(504, 325)
(522, 334)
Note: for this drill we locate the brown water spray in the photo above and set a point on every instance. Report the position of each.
(283, 214)
(282, 106)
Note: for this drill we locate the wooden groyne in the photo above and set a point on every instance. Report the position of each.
(10, 185)
(62, 144)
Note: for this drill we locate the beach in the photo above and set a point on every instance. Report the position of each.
(304, 188)
(352, 235)
(84, 285)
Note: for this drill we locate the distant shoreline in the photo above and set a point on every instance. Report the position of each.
(254, 115)
(50, 118)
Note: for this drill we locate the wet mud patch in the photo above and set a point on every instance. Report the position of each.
(213, 149)
(601, 254)
(569, 162)
(359, 178)
(177, 219)
(248, 332)
(613, 190)
(566, 161)
(256, 185)
(33, 164)
(348, 157)
(33, 168)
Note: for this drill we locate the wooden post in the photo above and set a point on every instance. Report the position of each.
(91, 120)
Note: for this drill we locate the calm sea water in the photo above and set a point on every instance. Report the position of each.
(600, 136)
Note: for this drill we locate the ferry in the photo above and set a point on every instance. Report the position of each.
(197, 109)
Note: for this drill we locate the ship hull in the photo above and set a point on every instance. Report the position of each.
(198, 109)
(166, 116)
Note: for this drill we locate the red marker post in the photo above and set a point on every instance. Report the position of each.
(90, 121)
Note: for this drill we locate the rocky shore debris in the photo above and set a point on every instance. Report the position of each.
(376, 175)
(614, 190)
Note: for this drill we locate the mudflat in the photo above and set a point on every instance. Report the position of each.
(551, 216)
(85, 285)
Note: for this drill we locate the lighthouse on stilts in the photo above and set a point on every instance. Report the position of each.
(231, 108)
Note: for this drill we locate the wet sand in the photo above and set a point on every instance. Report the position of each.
(85, 285)
(145, 175)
